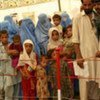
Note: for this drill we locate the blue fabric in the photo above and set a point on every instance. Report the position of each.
(66, 22)
(30, 25)
(26, 34)
(0, 26)
(5, 25)
(14, 26)
(41, 32)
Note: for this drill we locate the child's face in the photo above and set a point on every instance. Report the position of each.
(44, 62)
(69, 32)
(97, 7)
(17, 41)
(28, 47)
(55, 35)
(54, 55)
(56, 21)
(4, 38)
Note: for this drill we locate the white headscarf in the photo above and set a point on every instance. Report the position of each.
(53, 44)
(27, 59)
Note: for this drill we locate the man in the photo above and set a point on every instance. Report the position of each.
(97, 17)
(85, 42)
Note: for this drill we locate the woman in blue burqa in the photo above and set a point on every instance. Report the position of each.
(13, 28)
(65, 20)
(5, 25)
(27, 32)
(41, 32)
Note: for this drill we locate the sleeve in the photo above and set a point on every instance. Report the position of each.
(75, 30)
(20, 62)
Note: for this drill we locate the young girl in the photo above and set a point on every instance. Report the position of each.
(66, 86)
(69, 55)
(42, 86)
(54, 39)
(27, 65)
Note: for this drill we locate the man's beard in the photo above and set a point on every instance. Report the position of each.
(88, 11)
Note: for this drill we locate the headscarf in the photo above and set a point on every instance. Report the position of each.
(65, 20)
(53, 44)
(25, 33)
(27, 59)
(41, 31)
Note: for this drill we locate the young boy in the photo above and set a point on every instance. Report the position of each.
(6, 71)
(57, 22)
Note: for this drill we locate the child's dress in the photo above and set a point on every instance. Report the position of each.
(15, 58)
(42, 86)
(66, 86)
(27, 65)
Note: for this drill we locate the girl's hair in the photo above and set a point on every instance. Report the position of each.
(49, 53)
(65, 29)
(42, 56)
(69, 26)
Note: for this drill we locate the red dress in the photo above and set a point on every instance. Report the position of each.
(15, 58)
(28, 84)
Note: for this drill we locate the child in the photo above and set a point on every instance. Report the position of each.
(57, 21)
(69, 55)
(66, 86)
(54, 39)
(6, 71)
(42, 86)
(27, 65)
(16, 48)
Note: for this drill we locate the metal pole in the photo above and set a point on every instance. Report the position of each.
(59, 5)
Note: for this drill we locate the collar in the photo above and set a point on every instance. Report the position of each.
(83, 14)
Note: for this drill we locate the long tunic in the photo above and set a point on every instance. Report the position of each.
(84, 34)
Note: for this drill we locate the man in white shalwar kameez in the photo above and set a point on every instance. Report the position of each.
(85, 42)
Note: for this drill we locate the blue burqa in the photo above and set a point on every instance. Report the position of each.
(10, 26)
(41, 32)
(5, 25)
(14, 26)
(65, 20)
(25, 33)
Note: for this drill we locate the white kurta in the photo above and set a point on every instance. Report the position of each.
(84, 34)
(6, 81)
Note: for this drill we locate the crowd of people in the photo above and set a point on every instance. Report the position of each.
(29, 53)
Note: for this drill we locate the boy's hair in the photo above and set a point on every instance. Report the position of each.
(16, 37)
(56, 16)
(49, 53)
(3, 32)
